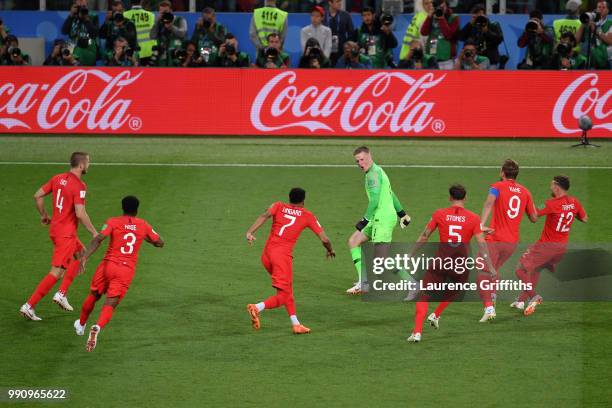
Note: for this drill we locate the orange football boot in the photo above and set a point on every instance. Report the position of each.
(254, 313)
(300, 329)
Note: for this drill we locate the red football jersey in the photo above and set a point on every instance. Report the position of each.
(126, 236)
(560, 214)
(455, 224)
(288, 222)
(513, 200)
(68, 190)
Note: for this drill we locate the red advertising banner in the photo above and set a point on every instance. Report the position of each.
(303, 102)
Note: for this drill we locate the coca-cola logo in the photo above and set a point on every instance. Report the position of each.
(68, 103)
(587, 99)
(392, 101)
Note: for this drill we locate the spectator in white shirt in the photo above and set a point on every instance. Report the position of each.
(317, 30)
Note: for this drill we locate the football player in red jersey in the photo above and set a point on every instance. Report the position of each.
(560, 212)
(68, 209)
(456, 226)
(288, 221)
(115, 272)
(507, 201)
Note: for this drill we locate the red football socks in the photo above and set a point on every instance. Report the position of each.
(419, 316)
(441, 307)
(87, 308)
(290, 305)
(524, 276)
(71, 273)
(42, 289)
(105, 315)
(485, 295)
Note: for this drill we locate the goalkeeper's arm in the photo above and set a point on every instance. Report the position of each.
(399, 209)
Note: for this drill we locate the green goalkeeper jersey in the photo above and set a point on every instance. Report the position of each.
(382, 201)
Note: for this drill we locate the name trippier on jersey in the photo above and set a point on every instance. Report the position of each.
(458, 264)
(407, 285)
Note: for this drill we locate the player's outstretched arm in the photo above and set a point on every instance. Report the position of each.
(486, 211)
(327, 244)
(423, 238)
(158, 244)
(484, 250)
(39, 199)
(91, 248)
(84, 219)
(250, 234)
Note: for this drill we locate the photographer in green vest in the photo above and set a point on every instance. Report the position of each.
(267, 20)
(413, 32)
(169, 30)
(596, 33)
(375, 38)
(441, 28)
(144, 21)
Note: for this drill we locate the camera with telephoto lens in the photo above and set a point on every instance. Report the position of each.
(532, 25)
(179, 54)
(468, 54)
(439, 11)
(167, 17)
(65, 51)
(314, 52)
(82, 11)
(563, 49)
(14, 52)
(417, 54)
(271, 53)
(386, 19)
(230, 49)
(118, 17)
(206, 23)
(586, 18)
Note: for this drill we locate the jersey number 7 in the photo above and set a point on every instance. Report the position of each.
(290, 223)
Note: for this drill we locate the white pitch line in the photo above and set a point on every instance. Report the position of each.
(399, 166)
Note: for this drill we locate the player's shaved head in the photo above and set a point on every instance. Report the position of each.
(457, 192)
(510, 169)
(562, 181)
(78, 158)
(297, 195)
(361, 149)
(130, 205)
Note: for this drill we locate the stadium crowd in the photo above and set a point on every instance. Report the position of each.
(433, 40)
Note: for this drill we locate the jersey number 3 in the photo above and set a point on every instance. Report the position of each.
(130, 240)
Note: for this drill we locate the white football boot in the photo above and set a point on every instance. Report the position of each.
(489, 314)
(62, 301)
(28, 312)
(414, 338)
(434, 321)
(80, 330)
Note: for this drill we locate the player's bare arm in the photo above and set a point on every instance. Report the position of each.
(484, 250)
(327, 244)
(83, 217)
(423, 238)
(91, 248)
(158, 244)
(250, 234)
(39, 199)
(584, 219)
(486, 211)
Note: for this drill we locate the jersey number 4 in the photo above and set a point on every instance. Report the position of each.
(59, 201)
(291, 219)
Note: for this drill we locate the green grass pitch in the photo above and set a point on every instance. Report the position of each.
(182, 337)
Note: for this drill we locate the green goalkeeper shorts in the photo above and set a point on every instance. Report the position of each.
(380, 229)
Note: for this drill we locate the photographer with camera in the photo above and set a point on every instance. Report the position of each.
(341, 25)
(11, 54)
(441, 28)
(4, 33)
(487, 35)
(538, 39)
(169, 31)
(82, 29)
(470, 60)
(208, 34)
(316, 30)
(230, 56)
(313, 56)
(273, 56)
(417, 59)
(565, 57)
(596, 32)
(122, 55)
(413, 32)
(116, 25)
(375, 38)
(61, 54)
(352, 58)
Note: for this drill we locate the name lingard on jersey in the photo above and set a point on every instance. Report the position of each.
(292, 211)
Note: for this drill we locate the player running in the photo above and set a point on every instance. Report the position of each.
(508, 201)
(547, 252)
(115, 272)
(288, 221)
(456, 227)
(68, 209)
(380, 217)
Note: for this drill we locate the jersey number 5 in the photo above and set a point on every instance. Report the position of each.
(290, 223)
(453, 231)
(130, 240)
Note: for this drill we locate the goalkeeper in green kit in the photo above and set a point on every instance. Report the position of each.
(380, 218)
